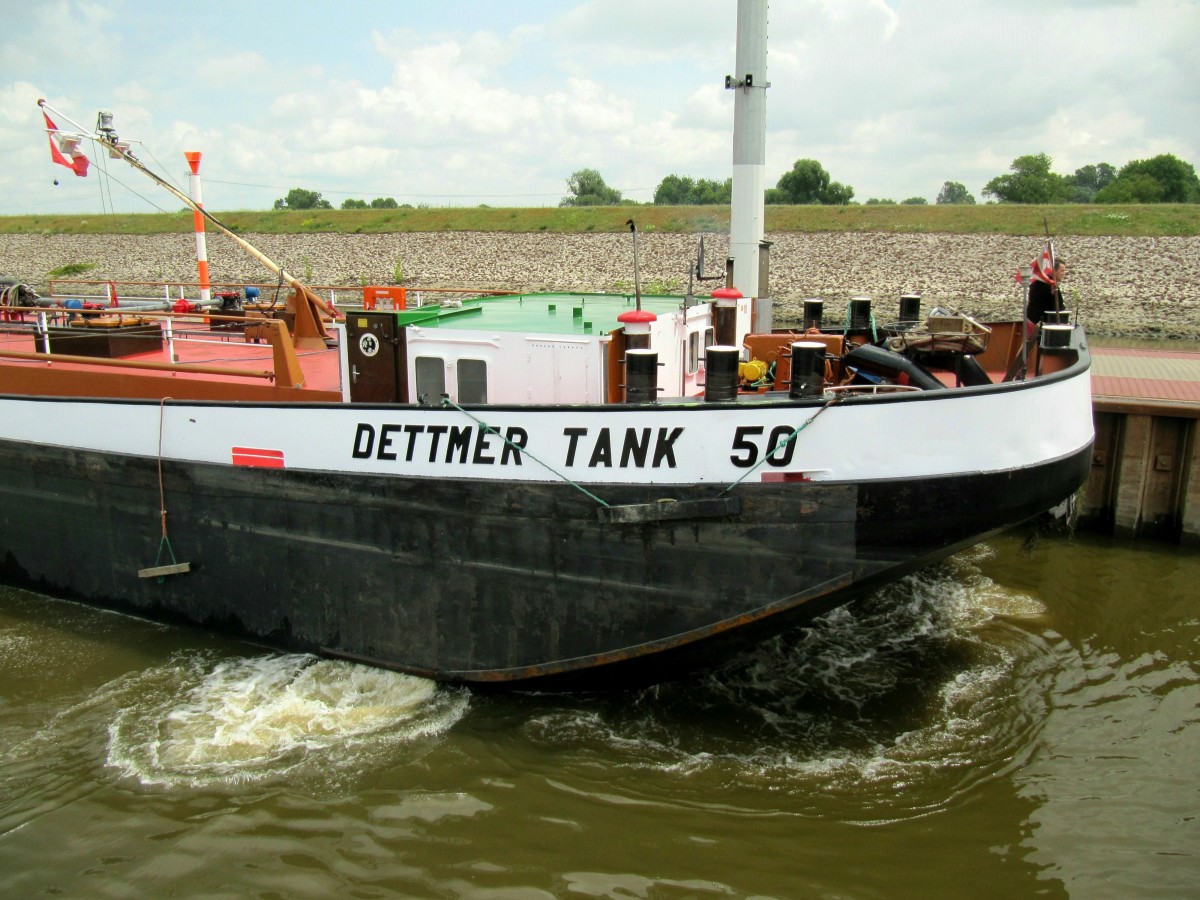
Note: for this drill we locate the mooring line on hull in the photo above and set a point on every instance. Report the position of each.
(783, 442)
(488, 429)
(158, 570)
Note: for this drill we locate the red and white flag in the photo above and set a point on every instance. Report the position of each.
(64, 150)
(1043, 266)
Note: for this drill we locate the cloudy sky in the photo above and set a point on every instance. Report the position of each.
(463, 102)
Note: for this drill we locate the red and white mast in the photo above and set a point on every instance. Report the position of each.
(193, 158)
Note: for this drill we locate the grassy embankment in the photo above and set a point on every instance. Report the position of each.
(1151, 220)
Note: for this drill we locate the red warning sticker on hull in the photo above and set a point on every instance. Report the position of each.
(783, 477)
(256, 456)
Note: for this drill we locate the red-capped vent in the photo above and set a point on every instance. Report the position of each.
(637, 321)
(727, 296)
(638, 315)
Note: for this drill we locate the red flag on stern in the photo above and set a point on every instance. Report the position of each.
(1043, 266)
(64, 150)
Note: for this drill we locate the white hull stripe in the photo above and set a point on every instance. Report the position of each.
(952, 433)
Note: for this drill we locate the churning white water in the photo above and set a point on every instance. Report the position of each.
(204, 721)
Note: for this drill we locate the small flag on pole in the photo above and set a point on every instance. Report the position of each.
(1043, 266)
(64, 149)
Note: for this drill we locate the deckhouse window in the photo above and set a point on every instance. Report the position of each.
(472, 381)
(693, 353)
(431, 380)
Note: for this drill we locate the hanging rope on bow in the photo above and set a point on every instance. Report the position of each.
(160, 569)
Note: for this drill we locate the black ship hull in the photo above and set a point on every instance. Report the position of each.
(488, 583)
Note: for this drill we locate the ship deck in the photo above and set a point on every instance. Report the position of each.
(1123, 378)
(203, 349)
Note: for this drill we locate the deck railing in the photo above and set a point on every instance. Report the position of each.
(45, 321)
(163, 294)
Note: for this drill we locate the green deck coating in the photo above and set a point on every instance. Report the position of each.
(537, 313)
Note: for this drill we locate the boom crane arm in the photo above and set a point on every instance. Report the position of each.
(109, 140)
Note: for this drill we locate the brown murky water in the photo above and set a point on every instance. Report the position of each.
(1023, 720)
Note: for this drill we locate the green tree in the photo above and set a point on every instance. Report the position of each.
(808, 182)
(915, 201)
(351, 203)
(384, 203)
(710, 192)
(1089, 180)
(1029, 181)
(876, 201)
(675, 190)
(587, 188)
(299, 198)
(954, 192)
(837, 194)
(1136, 188)
(1161, 179)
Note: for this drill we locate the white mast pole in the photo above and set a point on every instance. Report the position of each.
(747, 225)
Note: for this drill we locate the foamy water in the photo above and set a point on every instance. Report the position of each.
(204, 721)
(1019, 721)
(917, 683)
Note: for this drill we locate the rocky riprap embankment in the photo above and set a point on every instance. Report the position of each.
(1134, 287)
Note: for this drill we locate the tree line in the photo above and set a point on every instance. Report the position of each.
(300, 198)
(1161, 179)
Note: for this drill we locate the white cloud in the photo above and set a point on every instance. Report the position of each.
(893, 98)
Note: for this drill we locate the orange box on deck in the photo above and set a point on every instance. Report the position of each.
(389, 297)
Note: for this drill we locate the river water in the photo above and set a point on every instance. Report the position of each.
(1021, 720)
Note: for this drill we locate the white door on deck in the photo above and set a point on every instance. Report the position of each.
(561, 372)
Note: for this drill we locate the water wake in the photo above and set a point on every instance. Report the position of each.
(926, 679)
(198, 722)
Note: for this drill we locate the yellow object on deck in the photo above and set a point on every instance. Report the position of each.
(109, 321)
(752, 371)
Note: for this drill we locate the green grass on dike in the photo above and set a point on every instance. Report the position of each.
(1151, 220)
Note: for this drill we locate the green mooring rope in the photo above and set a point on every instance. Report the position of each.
(782, 443)
(165, 542)
(488, 429)
(846, 327)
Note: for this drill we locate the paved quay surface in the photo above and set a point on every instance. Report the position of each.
(1154, 377)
